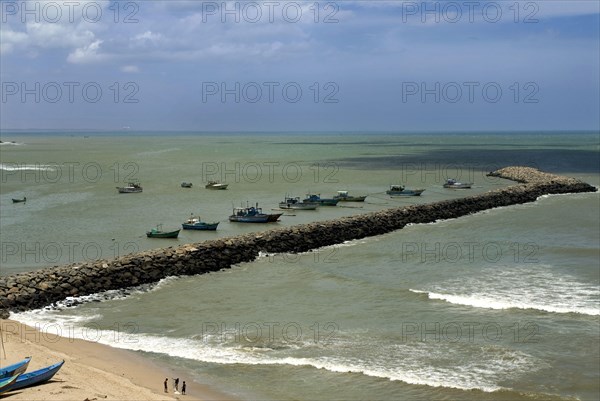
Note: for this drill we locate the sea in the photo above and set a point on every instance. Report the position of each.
(499, 305)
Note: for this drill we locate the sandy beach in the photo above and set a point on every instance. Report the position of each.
(92, 371)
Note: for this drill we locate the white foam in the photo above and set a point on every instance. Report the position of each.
(26, 167)
(413, 363)
(531, 287)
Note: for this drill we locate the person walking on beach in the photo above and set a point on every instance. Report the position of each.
(177, 384)
(183, 388)
(166, 389)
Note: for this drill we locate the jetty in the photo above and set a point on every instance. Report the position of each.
(44, 287)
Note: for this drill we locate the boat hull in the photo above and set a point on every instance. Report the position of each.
(273, 217)
(350, 198)
(14, 369)
(299, 206)
(406, 192)
(216, 186)
(19, 200)
(458, 186)
(36, 377)
(200, 226)
(162, 234)
(320, 201)
(124, 190)
(7, 383)
(249, 219)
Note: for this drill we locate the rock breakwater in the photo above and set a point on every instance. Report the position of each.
(46, 286)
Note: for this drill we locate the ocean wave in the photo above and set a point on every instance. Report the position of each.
(157, 152)
(26, 167)
(479, 301)
(11, 144)
(534, 287)
(417, 364)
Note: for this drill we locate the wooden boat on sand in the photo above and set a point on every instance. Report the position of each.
(7, 382)
(15, 368)
(36, 377)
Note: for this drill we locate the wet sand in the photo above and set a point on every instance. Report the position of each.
(91, 371)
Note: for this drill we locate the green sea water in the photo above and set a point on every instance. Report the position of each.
(501, 305)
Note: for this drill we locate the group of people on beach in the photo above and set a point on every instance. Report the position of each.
(175, 386)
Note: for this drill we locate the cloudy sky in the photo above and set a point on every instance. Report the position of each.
(295, 66)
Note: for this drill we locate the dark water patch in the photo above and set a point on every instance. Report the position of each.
(552, 160)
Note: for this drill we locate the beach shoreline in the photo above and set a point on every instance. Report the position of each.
(92, 371)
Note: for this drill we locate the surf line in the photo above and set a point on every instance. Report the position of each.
(40, 288)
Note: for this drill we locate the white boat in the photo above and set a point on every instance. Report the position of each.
(130, 188)
(215, 185)
(453, 184)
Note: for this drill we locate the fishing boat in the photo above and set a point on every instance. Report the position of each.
(159, 233)
(6, 383)
(316, 198)
(297, 204)
(343, 196)
(130, 188)
(36, 377)
(252, 214)
(195, 223)
(215, 185)
(453, 184)
(19, 200)
(400, 190)
(14, 369)
(186, 184)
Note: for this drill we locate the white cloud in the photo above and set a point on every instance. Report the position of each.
(86, 54)
(130, 68)
(148, 35)
(10, 39)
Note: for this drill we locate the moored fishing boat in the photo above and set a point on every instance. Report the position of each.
(195, 223)
(343, 196)
(130, 188)
(297, 204)
(36, 377)
(186, 184)
(215, 185)
(252, 214)
(14, 369)
(400, 190)
(316, 198)
(159, 233)
(19, 200)
(453, 184)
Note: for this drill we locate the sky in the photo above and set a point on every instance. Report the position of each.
(398, 66)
